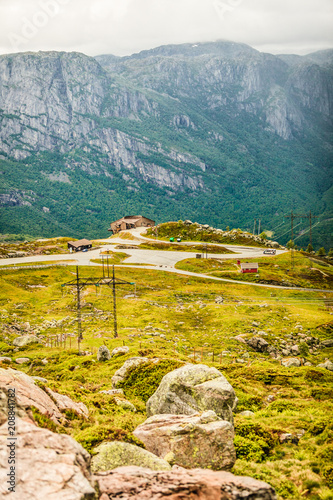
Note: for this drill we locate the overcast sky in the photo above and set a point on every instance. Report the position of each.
(122, 27)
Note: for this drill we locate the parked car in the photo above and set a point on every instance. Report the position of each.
(270, 251)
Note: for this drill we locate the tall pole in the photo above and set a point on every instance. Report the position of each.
(259, 227)
(79, 324)
(254, 227)
(114, 304)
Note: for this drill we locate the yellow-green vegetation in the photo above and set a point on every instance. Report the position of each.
(173, 317)
(299, 270)
(112, 258)
(185, 248)
(193, 233)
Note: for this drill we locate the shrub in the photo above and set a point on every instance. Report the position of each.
(253, 441)
(303, 349)
(143, 380)
(93, 436)
(248, 450)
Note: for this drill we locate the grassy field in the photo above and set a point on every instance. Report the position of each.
(185, 320)
(301, 271)
(174, 247)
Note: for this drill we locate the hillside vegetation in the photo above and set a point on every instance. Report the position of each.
(181, 319)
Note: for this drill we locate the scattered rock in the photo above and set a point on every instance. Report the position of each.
(21, 361)
(123, 403)
(246, 413)
(288, 438)
(138, 483)
(118, 454)
(328, 365)
(25, 340)
(113, 392)
(258, 344)
(191, 389)
(120, 350)
(4, 358)
(285, 352)
(219, 300)
(295, 350)
(327, 343)
(270, 398)
(291, 362)
(199, 440)
(240, 339)
(103, 354)
(51, 465)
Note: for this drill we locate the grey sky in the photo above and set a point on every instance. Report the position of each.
(123, 27)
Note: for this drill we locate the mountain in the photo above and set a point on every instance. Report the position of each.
(216, 132)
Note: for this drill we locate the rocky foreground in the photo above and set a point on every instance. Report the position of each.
(54, 466)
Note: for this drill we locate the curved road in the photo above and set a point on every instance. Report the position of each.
(155, 259)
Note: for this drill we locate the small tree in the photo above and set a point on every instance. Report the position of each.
(330, 253)
(227, 228)
(290, 244)
(321, 252)
(309, 248)
(263, 236)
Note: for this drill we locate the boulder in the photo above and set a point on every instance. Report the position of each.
(291, 362)
(117, 453)
(103, 353)
(199, 440)
(25, 340)
(51, 466)
(21, 361)
(113, 392)
(120, 350)
(65, 403)
(326, 343)
(5, 358)
(328, 365)
(29, 394)
(258, 344)
(288, 438)
(123, 403)
(191, 389)
(246, 413)
(295, 350)
(137, 483)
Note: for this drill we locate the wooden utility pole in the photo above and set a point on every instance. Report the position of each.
(310, 220)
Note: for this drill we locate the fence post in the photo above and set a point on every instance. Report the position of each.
(213, 356)
(201, 353)
(194, 354)
(221, 358)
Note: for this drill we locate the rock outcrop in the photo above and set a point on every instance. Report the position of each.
(191, 389)
(29, 394)
(49, 465)
(129, 483)
(120, 376)
(201, 440)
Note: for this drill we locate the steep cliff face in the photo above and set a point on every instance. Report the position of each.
(204, 127)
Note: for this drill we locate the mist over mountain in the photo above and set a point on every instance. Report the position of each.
(215, 132)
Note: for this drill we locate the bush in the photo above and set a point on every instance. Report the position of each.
(93, 436)
(253, 442)
(143, 380)
(321, 252)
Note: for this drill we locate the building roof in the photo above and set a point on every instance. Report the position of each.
(80, 243)
(249, 265)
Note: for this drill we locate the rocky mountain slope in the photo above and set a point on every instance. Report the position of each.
(218, 131)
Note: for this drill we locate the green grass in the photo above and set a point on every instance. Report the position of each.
(185, 248)
(183, 310)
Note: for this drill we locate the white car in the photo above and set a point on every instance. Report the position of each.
(270, 251)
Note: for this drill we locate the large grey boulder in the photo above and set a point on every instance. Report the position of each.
(191, 389)
(25, 340)
(117, 454)
(134, 483)
(200, 440)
